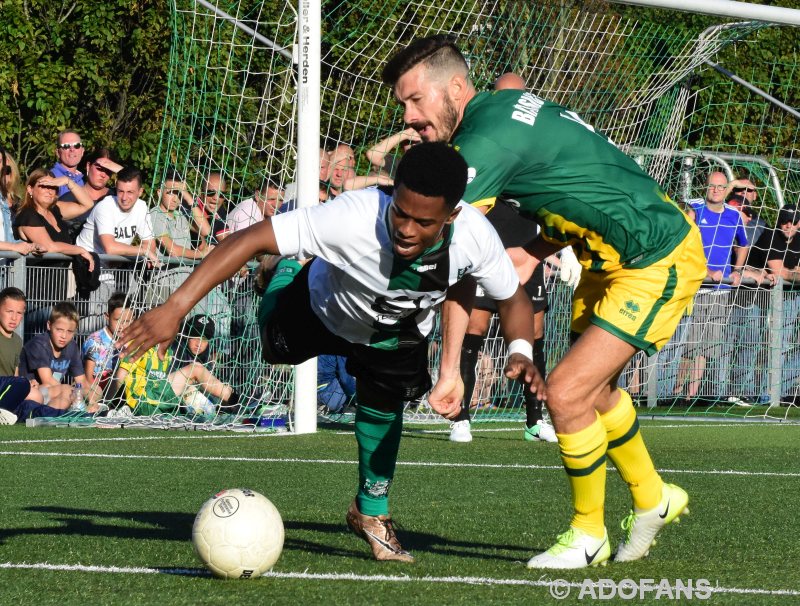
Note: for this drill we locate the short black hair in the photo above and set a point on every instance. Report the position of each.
(130, 173)
(116, 301)
(433, 169)
(13, 293)
(433, 50)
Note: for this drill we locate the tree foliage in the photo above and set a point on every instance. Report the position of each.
(96, 67)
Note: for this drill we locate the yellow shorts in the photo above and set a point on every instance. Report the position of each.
(642, 306)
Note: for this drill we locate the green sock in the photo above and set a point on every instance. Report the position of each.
(285, 272)
(378, 437)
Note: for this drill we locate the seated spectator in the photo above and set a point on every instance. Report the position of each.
(100, 356)
(335, 386)
(41, 219)
(69, 151)
(9, 200)
(52, 358)
(100, 167)
(118, 219)
(151, 389)
(265, 203)
(193, 342)
(17, 395)
(209, 213)
(170, 226)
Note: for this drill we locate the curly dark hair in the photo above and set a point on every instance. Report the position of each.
(436, 51)
(433, 169)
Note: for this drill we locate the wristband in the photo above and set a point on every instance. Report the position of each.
(521, 346)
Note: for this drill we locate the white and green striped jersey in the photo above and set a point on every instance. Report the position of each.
(363, 292)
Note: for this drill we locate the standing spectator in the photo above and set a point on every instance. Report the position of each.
(722, 230)
(265, 203)
(99, 169)
(743, 187)
(69, 151)
(342, 167)
(753, 224)
(170, 226)
(209, 213)
(290, 191)
(42, 219)
(116, 220)
(778, 250)
(9, 201)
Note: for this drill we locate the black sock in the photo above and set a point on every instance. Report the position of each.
(231, 405)
(469, 360)
(533, 405)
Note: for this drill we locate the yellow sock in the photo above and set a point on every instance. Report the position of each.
(584, 457)
(627, 451)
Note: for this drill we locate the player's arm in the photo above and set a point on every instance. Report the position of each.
(160, 325)
(445, 397)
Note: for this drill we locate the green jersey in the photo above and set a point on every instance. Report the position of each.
(572, 180)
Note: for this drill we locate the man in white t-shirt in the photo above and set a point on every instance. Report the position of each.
(265, 203)
(383, 265)
(117, 220)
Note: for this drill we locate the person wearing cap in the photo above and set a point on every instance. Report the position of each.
(193, 342)
(778, 251)
(155, 384)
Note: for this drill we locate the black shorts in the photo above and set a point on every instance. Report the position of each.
(293, 334)
(515, 230)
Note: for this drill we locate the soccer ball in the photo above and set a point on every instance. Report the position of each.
(238, 534)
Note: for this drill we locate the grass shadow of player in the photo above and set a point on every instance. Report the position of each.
(413, 540)
(159, 525)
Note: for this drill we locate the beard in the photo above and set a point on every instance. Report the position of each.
(448, 119)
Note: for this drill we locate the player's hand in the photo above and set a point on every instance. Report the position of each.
(446, 396)
(521, 368)
(157, 326)
(570, 267)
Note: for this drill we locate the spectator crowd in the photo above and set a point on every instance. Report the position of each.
(89, 204)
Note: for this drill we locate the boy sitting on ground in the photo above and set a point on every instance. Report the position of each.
(52, 358)
(151, 389)
(100, 357)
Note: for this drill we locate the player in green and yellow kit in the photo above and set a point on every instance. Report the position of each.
(642, 264)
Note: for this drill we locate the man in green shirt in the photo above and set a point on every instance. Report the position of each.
(643, 262)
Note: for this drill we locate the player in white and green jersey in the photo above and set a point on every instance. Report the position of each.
(382, 266)
(643, 262)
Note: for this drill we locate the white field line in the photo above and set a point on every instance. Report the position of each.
(333, 576)
(253, 436)
(516, 466)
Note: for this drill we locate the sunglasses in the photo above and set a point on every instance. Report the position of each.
(53, 187)
(214, 192)
(749, 190)
(77, 145)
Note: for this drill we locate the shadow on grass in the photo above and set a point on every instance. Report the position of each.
(177, 526)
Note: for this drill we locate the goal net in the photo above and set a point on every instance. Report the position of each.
(231, 110)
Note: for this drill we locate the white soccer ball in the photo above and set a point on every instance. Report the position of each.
(238, 534)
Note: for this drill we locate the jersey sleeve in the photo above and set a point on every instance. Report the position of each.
(330, 231)
(491, 168)
(493, 269)
(75, 362)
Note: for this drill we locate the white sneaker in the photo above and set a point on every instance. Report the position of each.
(641, 528)
(123, 412)
(459, 432)
(7, 417)
(574, 549)
(542, 432)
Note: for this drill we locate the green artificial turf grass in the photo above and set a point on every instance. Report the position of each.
(468, 511)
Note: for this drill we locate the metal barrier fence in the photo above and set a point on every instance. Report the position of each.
(740, 343)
